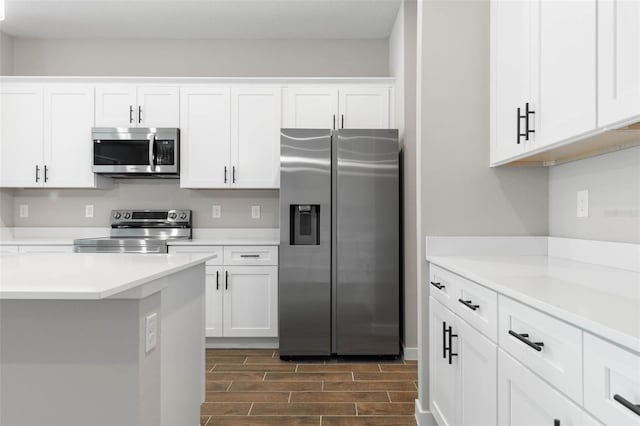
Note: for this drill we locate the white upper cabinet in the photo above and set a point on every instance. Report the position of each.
(68, 119)
(46, 136)
(319, 107)
(136, 106)
(21, 132)
(313, 107)
(565, 89)
(256, 120)
(618, 61)
(205, 137)
(364, 108)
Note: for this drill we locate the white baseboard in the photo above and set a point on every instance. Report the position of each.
(423, 417)
(242, 343)
(410, 353)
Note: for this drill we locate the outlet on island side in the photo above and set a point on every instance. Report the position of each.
(255, 212)
(151, 332)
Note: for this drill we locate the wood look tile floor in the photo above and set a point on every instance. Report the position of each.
(254, 387)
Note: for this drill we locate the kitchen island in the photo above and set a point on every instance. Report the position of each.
(101, 339)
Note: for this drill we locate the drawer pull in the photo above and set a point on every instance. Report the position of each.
(226, 280)
(524, 339)
(468, 304)
(217, 280)
(444, 339)
(635, 408)
(437, 285)
(251, 256)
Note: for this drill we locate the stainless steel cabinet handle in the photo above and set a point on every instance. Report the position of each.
(254, 256)
(130, 113)
(634, 408)
(233, 174)
(139, 114)
(226, 280)
(225, 174)
(342, 119)
(46, 170)
(217, 280)
(37, 173)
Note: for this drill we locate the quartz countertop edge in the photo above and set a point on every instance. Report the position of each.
(14, 291)
(460, 265)
(223, 242)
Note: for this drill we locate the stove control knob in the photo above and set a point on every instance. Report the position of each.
(127, 215)
(183, 215)
(117, 215)
(173, 215)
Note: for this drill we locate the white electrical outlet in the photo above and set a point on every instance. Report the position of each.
(88, 210)
(255, 212)
(151, 332)
(216, 211)
(583, 204)
(24, 210)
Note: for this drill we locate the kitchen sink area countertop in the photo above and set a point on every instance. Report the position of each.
(84, 276)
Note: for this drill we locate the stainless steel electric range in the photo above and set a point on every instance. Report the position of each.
(139, 231)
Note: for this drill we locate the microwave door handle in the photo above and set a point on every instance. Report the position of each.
(152, 153)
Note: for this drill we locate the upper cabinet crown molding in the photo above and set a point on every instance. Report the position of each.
(556, 95)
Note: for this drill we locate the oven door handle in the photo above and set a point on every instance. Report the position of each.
(152, 151)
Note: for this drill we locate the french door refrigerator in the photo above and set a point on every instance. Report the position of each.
(339, 280)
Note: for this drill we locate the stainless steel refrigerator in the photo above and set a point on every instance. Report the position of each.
(339, 276)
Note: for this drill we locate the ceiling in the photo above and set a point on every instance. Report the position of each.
(211, 19)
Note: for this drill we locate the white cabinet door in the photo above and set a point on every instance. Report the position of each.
(251, 301)
(214, 291)
(364, 108)
(256, 120)
(21, 136)
(68, 119)
(526, 400)
(45, 249)
(565, 96)
(205, 137)
(443, 376)
(312, 107)
(618, 60)
(116, 106)
(478, 363)
(158, 106)
(511, 66)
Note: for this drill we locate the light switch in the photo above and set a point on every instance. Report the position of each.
(255, 212)
(88, 210)
(216, 211)
(24, 210)
(583, 204)
(151, 332)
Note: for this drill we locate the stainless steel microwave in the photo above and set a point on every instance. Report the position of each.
(136, 152)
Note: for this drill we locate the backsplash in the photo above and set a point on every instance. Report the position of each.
(66, 207)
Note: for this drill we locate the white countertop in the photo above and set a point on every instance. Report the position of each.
(201, 236)
(58, 276)
(599, 299)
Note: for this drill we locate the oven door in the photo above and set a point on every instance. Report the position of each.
(137, 151)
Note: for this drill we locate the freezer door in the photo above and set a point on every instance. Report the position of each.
(366, 238)
(305, 243)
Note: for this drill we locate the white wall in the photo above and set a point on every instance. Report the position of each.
(209, 58)
(402, 66)
(6, 54)
(613, 181)
(66, 207)
(6, 207)
(460, 194)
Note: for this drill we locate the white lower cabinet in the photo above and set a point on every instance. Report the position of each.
(241, 290)
(526, 400)
(462, 363)
(251, 301)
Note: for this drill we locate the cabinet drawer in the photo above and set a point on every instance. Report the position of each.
(478, 306)
(611, 382)
(251, 255)
(442, 285)
(549, 347)
(525, 399)
(215, 250)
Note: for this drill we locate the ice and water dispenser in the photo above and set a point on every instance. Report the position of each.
(305, 224)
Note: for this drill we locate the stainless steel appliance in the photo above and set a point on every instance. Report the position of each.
(139, 231)
(136, 152)
(339, 258)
